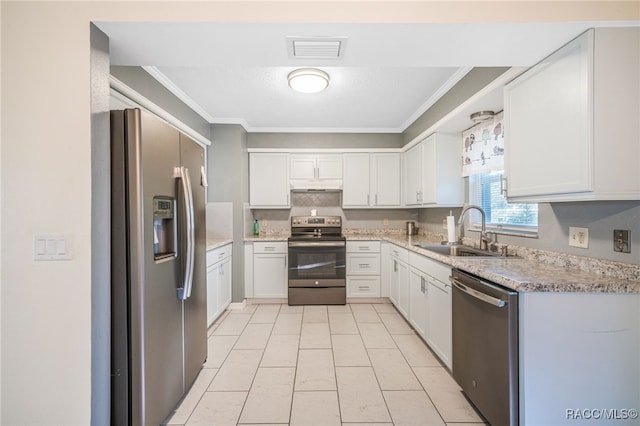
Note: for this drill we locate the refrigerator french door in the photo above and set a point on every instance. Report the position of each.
(159, 336)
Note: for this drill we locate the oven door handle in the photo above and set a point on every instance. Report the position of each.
(477, 294)
(317, 244)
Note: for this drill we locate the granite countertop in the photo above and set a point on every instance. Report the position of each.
(214, 243)
(535, 271)
(532, 273)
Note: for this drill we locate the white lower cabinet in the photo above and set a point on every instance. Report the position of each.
(219, 281)
(430, 311)
(418, 301)
(439, 319)
(363, 269)
(399, 279)
(270, 263)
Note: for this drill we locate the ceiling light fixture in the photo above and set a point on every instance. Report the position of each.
(479, 117)
(308, 80)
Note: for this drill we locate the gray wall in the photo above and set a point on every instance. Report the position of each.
(228, 173)
(470, 84)
(325, 140)
(142, 82)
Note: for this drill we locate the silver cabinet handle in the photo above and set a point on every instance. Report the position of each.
(478, 295)
(422, 285)
(395, 266)
(503, 185)
(184, 292)
(364, 265)
(375, 203)
(269, 248)
(364, 248)
(368, 199)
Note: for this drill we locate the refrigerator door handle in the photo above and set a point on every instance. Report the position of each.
(184, 292)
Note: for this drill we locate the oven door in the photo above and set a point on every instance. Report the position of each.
(317, 263)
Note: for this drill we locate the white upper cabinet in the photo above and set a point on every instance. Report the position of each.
(356, 188)
(316, 167)
(385, 179)
(269, 180)
(433, 172)
(371, 180)
(571, 122)
(413, 164)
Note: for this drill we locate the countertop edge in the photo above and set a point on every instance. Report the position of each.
(214, 243)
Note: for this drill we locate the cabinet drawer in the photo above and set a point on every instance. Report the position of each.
(216, 255)
(363, 286)
(363, 246)
(431, 267)
(270, 247)
(399, 252)
(363, 264)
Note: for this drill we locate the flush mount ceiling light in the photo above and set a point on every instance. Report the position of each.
(479, 117)
(308, 80)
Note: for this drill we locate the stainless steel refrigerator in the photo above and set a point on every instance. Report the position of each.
(159, 334)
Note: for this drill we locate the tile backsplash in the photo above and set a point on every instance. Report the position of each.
(329, 204)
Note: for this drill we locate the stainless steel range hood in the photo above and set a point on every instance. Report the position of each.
(316, 185)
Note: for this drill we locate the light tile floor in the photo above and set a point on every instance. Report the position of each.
(321, 365)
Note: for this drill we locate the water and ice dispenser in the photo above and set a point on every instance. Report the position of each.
(164, 228)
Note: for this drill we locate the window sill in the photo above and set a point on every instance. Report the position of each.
(505, 230)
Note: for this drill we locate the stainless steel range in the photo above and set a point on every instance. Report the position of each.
(317, 257)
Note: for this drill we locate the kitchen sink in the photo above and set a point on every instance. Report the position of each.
(462, 251)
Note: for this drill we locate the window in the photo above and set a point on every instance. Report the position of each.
(485, 190)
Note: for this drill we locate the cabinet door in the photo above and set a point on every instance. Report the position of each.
(269, 180)
(439, 319)
(418, 301)
(224, 287)
(270, 275)
(329, 167)
(355, 191)
(213, 278)
(429, 170)
(303, 167)
(394, 281)
(385, 179)
(363, 286)
(403, 289)
(363, 264)
(413, 176)
(548, 124)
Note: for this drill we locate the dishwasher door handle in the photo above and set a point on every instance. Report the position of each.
(477, 294)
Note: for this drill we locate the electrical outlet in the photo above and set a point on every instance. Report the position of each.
(385, 221)
(621, 241)
(263, 223)
(579, 237)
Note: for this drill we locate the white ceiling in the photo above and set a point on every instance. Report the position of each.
(389, 75)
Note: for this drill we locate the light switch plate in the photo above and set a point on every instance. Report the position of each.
(52, 247)
(579, 237)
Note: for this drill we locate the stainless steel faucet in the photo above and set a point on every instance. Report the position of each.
(484, 238)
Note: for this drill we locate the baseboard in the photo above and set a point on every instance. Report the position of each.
(237, 305)
(355, 300)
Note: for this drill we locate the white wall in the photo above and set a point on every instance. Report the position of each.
(47, 160)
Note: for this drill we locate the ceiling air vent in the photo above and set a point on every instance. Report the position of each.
(316, 47)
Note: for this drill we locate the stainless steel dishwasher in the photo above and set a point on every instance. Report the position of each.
(485, 346)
